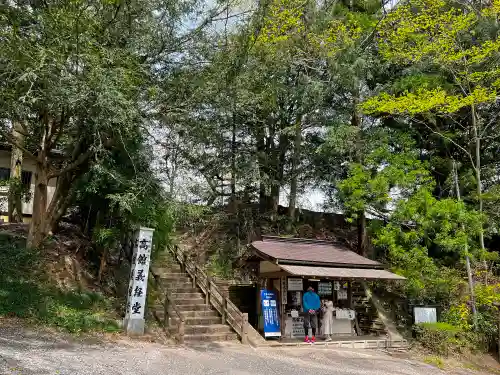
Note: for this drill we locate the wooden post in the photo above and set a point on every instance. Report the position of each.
(244, 328)
(207, 295)
(349, 294)
(181, 330)
(166, 320)
(194, 278)
(224, 304)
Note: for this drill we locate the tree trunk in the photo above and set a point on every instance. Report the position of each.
(479, 192)
(15, 209)
(102, 265)
(233, 156)
(294, 175)
(278, 173)
(467, 259)
(361, 224)
(261, 149)
(38, 229)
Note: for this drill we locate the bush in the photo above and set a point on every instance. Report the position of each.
(445, 338)
(26, 292)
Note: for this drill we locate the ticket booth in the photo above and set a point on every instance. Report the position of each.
(288, 267)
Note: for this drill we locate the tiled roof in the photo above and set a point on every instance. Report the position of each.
(311, 251)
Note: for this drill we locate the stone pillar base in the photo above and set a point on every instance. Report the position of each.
(134, 327)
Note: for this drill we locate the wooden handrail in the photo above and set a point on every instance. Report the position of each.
(169, 304)
(214, 296)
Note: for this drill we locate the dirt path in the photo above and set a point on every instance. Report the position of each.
(24, 352)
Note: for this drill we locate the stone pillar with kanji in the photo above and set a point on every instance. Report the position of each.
(136, 298)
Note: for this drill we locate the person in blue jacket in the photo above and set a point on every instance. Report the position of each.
(311, 304)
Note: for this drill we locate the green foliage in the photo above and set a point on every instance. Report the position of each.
(423, 223)
(435, 361)
(26, 292)
(444, 338)
(392, 162)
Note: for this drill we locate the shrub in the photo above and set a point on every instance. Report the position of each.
(445, 338)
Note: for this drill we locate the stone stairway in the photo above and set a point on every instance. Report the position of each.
(367, 314)
(202, 322)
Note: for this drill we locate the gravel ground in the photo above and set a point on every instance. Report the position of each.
(24, 352)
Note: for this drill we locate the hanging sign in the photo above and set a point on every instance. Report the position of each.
(325, 289)
(295, 284)
(342, 294)
(270, 313)
(296, 300)
(284, 291)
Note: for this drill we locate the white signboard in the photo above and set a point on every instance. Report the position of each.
(295, 284)
(341, 294)
(298, 327)
(425, 314)
(136, 299)
(336, 285)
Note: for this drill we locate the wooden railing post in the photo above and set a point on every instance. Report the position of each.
(207, 295)
(181, 330)
(194, 276)
(166, 320)
(244, 328)
(224, 308)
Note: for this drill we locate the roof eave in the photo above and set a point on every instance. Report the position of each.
(328, 264)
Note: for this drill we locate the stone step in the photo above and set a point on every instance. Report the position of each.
(203, 329)
(213, 337)
(171, 275)
(180, 290)
(194, 307)
(175, 278)
(163, 269)
(176, 285)
(200, 314)
(181, 294)
(204, 321)
(208, 314)
(189, 301)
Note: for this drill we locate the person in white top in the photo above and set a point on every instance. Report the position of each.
(327, 322)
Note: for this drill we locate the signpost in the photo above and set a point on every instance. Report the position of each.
(425, 314)
(136, 298)
(270, 313)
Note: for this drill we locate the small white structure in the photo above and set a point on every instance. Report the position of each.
(137, 291)
(425, 314)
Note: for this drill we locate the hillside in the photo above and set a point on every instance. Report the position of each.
(55, 287)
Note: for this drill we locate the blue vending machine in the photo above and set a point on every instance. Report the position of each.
(270, 313)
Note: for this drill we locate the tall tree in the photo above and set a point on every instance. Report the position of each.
(77, 75)
(448, 40)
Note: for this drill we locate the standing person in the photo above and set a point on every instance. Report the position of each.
(312, 304)
(327, 323)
